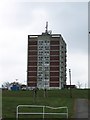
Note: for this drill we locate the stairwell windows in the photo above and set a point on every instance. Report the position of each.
(40, 58)
(46, 41)
(40, 42)
(40, 53)
(46, 68)
(47, 47)
(46, 52)
(46, 74)
(39, 78)
(47, 77)
(40, 63)
(40, 68)
(46, 62)
(40, 47)
(46, 58)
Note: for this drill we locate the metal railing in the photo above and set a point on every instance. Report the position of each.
(43, 113)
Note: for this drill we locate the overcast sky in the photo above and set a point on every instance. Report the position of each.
(20, 19)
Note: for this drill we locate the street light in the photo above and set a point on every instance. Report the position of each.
(70, 82)
(70, 76)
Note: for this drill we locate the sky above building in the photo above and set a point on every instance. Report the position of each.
(20, 19)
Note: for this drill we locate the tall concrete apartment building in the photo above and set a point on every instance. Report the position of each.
(46, 67)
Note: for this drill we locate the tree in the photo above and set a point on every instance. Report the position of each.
(79, 84)
(5, 85)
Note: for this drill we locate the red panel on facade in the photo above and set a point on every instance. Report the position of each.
(54, 57)
(32, 73)
(54, 47)
(32, 42)
(54, 73)
(32, 58)
(32, 68)
(55, 38)
(32, 84)
(33, 79)
(54, 52)
(54, 42)
(30, 47)
(54, 84)
(54, 68)
(54, 78)
(32, 63)
(54, 63)
(32, 52)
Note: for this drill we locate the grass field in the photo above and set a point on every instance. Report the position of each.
(54, 98)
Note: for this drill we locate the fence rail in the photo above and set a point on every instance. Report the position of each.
(43, 113)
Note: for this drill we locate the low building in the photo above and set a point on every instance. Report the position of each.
(14, 86)
(70, 86)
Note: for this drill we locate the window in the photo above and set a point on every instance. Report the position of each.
(62, 46)
(47, 47)
(62, 52)
(40, 57)
(40, 46)
(40, 68)
(40, 72)
(40, 54)
(47, 75)
(40, 51)
(40, 41)
(40, 63)
(46, 68)
(46, 62)
(39, 78)
(46, 52)
(46, 41)
(46, 78)
(46, 83)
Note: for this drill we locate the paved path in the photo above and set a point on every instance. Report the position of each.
(81, 108)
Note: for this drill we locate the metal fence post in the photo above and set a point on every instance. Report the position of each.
(67, 112)
(17, 113)
(43, 111)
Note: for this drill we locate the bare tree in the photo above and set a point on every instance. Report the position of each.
(5, 85)
(79, 84)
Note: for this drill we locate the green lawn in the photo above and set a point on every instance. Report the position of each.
(54, 98)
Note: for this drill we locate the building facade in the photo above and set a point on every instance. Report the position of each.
(46, 62)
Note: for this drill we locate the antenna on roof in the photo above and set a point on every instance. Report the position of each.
(46, 27)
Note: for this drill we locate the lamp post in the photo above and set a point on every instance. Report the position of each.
(70, 83)
(45, 88)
